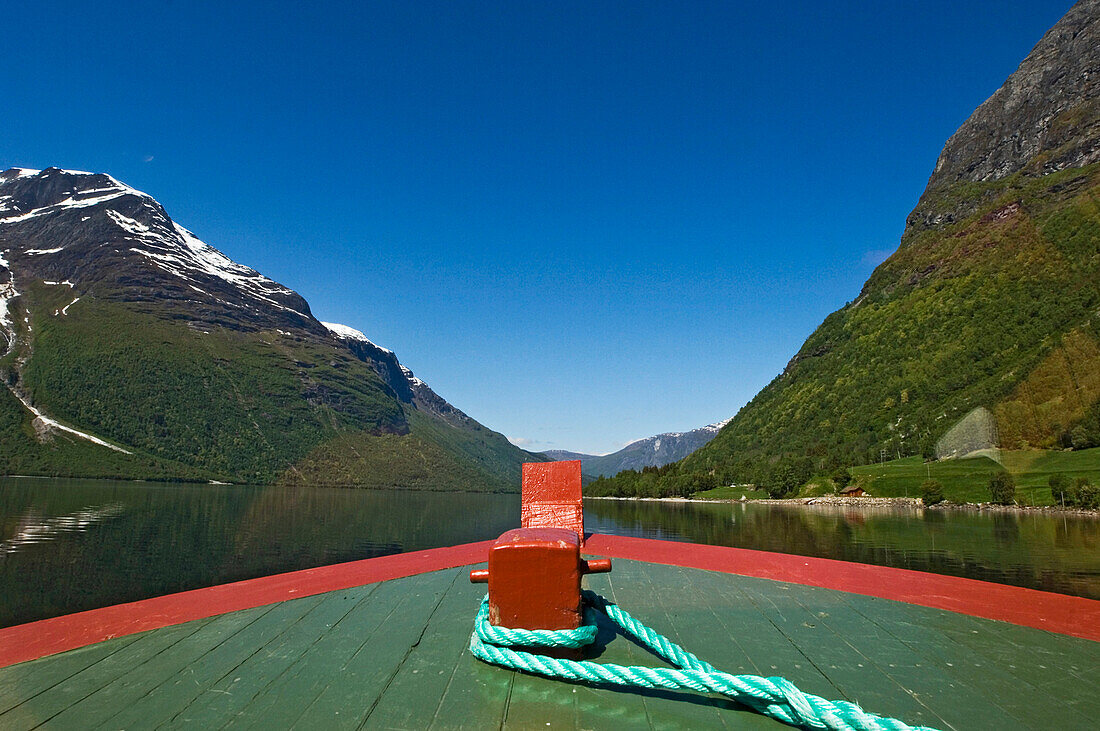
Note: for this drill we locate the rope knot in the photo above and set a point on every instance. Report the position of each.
(776, 697)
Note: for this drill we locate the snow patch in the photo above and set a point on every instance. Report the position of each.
(73, 203)
(65, 309)
(413, 380)
(717, 426)
(56, 425)
(350, 333)
(209, 260)
(36, 252)
(8, 292)
(345, 332)
(128, 224)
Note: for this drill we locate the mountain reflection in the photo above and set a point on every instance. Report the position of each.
(70, 545)
(163, 538)
(34, 529)
(1042, 551)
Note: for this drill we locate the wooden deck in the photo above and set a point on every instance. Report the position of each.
(393, 654)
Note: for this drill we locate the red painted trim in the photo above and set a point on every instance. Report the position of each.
(1043, 610)
(1068, 615)
(58, 634)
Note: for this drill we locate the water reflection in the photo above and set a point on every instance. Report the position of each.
(33, 529)
(69, 545)
(1052, 552)
(148, 539)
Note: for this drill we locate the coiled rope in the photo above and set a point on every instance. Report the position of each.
(776, 697)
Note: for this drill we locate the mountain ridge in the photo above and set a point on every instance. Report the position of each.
(655, 451)
(106, 303)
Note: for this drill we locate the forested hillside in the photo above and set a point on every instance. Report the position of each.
(992, 300)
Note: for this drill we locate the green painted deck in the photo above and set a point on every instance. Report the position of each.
(394, 655)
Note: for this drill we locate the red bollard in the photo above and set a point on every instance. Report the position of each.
(552, 496)
(534, 573)
(534, 578)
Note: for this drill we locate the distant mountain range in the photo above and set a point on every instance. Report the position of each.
(130, 348)
(655, 451)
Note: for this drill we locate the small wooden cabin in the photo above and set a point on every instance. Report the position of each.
(852, 491)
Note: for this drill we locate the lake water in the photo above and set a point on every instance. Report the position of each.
(70, 545)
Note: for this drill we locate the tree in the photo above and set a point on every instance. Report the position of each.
(1083, 495)
(789, 474)
(841, 478)
(1002, 488)
(931, 492)
(1079, 438)
(1059, 488)
(1088, 497)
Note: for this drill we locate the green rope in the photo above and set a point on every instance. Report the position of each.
(777, 697)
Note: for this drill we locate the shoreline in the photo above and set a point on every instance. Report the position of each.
(871, 503)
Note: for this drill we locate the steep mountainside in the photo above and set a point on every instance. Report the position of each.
(132, 349)
(655, 451)
(990, 301)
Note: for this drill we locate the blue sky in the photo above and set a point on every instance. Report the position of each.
(582, 223)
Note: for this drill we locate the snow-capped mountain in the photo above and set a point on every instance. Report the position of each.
(90, 229)
(655, 451)
(121, 330)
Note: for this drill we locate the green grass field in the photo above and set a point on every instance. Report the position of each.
(967, 480)
(964, 480)
(730, 493)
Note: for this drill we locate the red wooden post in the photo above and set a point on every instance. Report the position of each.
(552, 496)
(535, 571)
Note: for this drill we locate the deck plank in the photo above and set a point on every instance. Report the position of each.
(48, 704)
(980, 684)
(236, 688)
(1080, 659)
(1060, 656)
(593, 706)
(771, 651)
(174, 696)
(535, 701)
(878, 672)
(636, 589)
(105, 702)
(426, 676)
(19, 683)
(922, 693)
(476, 694)
(351, 694)
(457, 690)
(965, 650)
(287, 698)
(798, 618)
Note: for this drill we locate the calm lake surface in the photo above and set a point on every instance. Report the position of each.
(70, 545)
